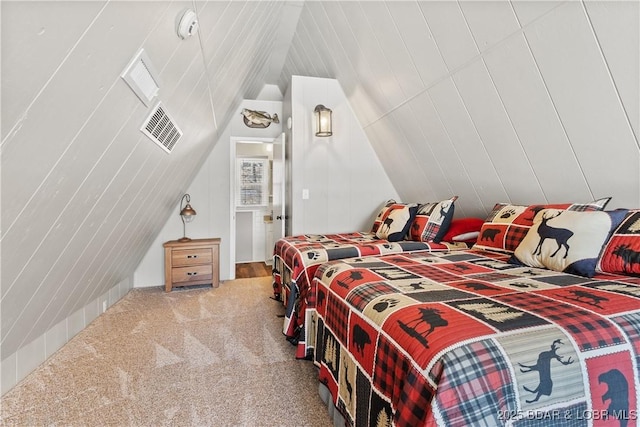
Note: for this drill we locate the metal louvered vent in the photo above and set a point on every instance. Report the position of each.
(161, 129)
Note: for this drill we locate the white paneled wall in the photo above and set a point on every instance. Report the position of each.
(535, 122)
(342, 175)
(613, 25)
(494, 101)
(584, 94)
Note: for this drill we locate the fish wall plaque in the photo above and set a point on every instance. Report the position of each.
(258, 119)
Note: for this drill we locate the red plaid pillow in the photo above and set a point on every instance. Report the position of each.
(432, 220)
(621, 254)
(507, 225)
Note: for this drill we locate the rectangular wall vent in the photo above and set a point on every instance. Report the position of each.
(142, 78)
(161, 128)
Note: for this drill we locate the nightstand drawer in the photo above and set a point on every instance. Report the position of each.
(193, 273)
(182, 257)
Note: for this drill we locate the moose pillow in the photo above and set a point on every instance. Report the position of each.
(622, 251)
(395, 222)
(377, 222)
(567, 241)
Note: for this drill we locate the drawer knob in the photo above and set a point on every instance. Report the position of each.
(192, 256)
(192, 274)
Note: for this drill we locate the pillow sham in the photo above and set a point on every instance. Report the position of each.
(621, 253)
(383, 210)
(432, 220)
(567, 241)
(507, 224)
(396, 221)
(463, 229)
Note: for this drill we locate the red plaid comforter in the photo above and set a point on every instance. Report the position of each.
(297, 258)
(464, 338)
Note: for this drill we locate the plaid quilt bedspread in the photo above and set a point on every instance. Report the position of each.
(466, 339)
(296, 259)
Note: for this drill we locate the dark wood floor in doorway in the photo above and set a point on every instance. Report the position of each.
(252, 269)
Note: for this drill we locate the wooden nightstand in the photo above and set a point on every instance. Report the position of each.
(195, 262)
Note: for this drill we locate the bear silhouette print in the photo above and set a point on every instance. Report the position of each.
(617, 394)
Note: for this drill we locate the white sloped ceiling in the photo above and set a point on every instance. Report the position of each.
(84, 192)
(494, 101)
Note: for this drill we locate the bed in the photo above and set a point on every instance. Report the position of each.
(397, 227)
(482, 337)
(296, 259)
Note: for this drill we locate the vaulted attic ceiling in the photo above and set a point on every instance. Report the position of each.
(490, 100)
(84, 192)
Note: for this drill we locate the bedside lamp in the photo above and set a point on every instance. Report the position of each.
(187, 213)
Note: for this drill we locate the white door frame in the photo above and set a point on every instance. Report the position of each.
(279, 210)
(232, 191)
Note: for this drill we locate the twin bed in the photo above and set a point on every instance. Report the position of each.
(297, 259)
(528, 327)
(398, 227)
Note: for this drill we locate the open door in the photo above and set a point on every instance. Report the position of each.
(279, 188)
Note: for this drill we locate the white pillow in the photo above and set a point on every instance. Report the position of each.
(466, 236)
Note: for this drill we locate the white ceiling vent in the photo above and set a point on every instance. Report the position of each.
(142, 78)
(161, 128)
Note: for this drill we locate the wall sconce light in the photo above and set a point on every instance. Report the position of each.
(323, 120)
(187, 213)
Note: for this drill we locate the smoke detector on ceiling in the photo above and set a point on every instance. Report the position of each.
(188, 24)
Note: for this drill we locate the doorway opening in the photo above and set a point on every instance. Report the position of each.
(253, 199)
(257, 188)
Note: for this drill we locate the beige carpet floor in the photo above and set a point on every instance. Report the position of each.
(192, 357)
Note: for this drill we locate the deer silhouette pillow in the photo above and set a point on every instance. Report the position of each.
(508, 224)
(432, 220)
(567, 241)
